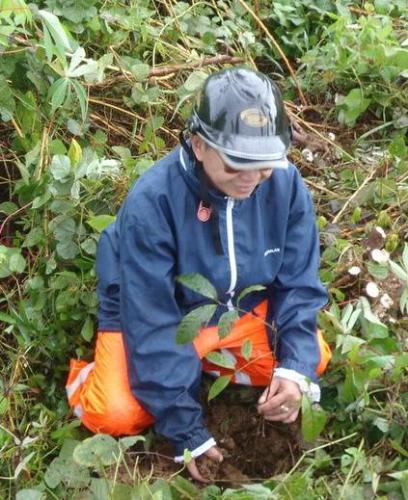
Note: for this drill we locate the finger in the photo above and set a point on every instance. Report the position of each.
(273, 404)
(269, 391)
(284, 417)
(194, 472)
(291, 417)
(215, 454)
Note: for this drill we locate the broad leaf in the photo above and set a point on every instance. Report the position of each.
(218, 386)
(17, 263)
(195, 81)
(87, 330)
(67, 472)
(199, 284)
(100, 222)
(60, 167)
(219, 359)
(246, 350)
(225, 323)
(314, 419)
(248, 290)
(192, 322)
(97, 451)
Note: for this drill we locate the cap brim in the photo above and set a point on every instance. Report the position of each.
(247, 164)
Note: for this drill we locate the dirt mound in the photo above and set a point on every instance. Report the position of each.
(253, 448)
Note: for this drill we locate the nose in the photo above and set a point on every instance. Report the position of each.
(249, 175)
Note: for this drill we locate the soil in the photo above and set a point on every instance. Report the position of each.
(253, 449)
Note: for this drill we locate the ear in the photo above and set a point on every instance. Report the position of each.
(198, 146)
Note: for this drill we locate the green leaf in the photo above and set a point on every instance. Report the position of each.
(8, 207)
(226, 322)
(7, 103)
(17, 263)
(219, 359)
(100, 222)
(129, 441)
(30, 494)
(314, 419)
(81, 95)
(6, 318)
(398, 271)
(248, 290)
(187, 489)
(67, 249)
(63, 228)
(405, 256)
(58, 93)
(402, 477)
(160, 489)
(87, 330)
(404, 301)
(39, 201)
(192, 322)
(140, 71)
(60, 167)
(378, 271)
(195, 80)
(246, 350)
(4, 404)
(56, 30)
(352, 106)
(67, 472)
(198, 284)
(97, 451)
(218, 386)
(89, 246)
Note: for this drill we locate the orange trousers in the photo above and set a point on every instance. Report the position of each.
(99, 392)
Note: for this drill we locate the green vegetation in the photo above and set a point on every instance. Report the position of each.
(91, 94)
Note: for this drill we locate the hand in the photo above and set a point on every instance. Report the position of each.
(281, 401)
(214, 454)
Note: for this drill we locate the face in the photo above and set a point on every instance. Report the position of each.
(237, 184)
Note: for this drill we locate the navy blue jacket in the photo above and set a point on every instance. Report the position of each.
(269, 238)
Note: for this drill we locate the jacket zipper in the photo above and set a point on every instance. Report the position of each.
(231, 252)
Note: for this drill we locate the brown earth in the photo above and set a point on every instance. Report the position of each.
(253, 448)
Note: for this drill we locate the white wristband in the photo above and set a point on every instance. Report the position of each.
(306, 387)
(198, 451)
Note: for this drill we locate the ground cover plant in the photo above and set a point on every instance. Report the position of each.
(91, 94)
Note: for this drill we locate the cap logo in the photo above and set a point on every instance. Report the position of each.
(253, 117)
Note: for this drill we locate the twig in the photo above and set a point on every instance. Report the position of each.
(18, 129)
(278, 48)
(12, 215)
(212, 61)
(356, 193)
(326, 139)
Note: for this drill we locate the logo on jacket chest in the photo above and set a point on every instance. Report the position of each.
(270, 251)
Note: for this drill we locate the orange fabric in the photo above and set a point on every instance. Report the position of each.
(325, 354)
(250, 327)
(105, 399)
(100, 393)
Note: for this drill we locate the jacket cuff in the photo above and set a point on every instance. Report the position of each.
(311, 390)
(198, 451)
(193, 444)
(304, 369)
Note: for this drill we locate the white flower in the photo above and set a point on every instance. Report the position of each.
(307, 155)
(386, 301)
(331, 136)
(380, 256)
(354, 270)
(380, 230)
(372, 290)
